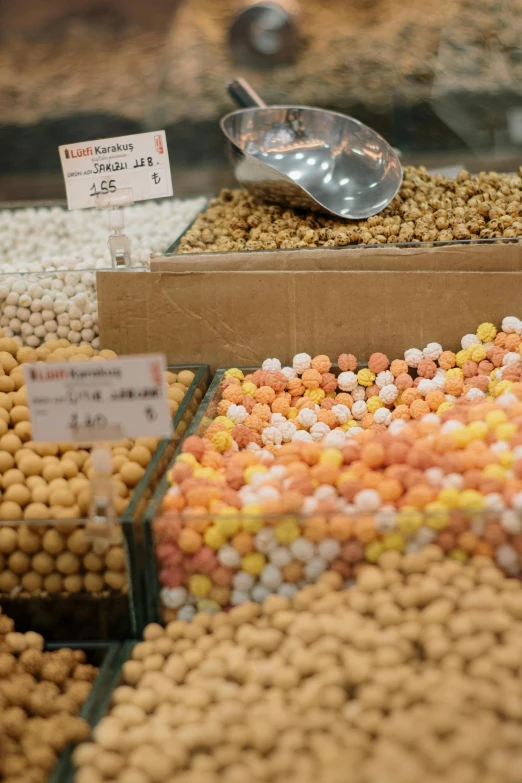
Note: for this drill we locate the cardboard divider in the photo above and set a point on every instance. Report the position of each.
(238, 309)
(463, 256)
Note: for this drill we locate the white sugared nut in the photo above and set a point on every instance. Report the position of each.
(56, 249)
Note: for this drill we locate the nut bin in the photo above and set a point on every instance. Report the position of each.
(430, 208)
(421, 654)
(108, 657)
(55, 579)
(50, 258)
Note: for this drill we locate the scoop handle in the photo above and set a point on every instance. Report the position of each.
(244, 95)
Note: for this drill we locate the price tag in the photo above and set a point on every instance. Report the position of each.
(91, 401)
(100, 168)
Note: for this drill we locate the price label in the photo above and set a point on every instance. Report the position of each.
(100, 168)
(91, 401)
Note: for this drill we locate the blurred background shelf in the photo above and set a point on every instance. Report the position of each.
(440, 82)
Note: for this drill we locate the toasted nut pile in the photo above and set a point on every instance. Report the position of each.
(50, 481)
(41, 694)
(428, 208)
(412, 674)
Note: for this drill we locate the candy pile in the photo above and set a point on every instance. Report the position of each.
(41, 694)
(241, 525)
(50, 481)
(58, 253)
(412, 675)
(428, 208)
(313, 401)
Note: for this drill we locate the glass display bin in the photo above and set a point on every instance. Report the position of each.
(339, 541)
(97, 704)
(57, 579)
(108, 657)
(49, 258)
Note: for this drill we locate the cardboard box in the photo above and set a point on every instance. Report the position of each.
(238, 309)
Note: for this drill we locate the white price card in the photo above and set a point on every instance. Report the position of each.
(99, 401)
(100, 168)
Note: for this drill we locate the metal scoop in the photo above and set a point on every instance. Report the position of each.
(310, 158)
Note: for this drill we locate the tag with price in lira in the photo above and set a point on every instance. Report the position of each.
(99, 402)
(101, 168)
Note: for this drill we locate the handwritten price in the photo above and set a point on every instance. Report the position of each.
(106, 186)
(97, 422)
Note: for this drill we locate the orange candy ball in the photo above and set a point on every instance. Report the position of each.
(189, 541)
(321, 363)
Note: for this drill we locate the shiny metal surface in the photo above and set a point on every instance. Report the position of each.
(265, 34)
(311, 159)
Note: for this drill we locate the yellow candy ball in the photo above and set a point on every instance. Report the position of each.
(204, 473)
(505, 431)
(365, 377)
(374, 403)
(455, 372)
(222, 441)
(471, 499)
(486, 333)
(188, 458)
(409, 519)
(506, 459)
(461, 437)
(459, 554)
(316, 395)
(208, 606)
(252, 518)
(228, 423)
(449, 497)
(249, 388)
(234, 372)
(437, 515)
(502, 387)
(463, 356)
(331, 457)
(494, 418)
(227, 524)
(494, 472)
(213, 538)
(478, 353)
(394, 541)
(253, 563)
(199, 585)
(373, 551)
(286, 531)
(478, 430)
